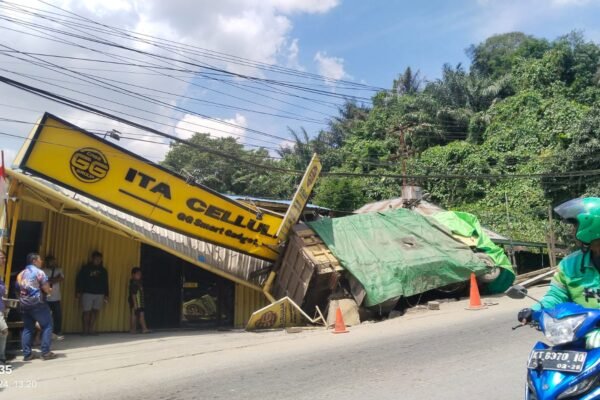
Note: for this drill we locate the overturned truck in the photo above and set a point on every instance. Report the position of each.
(381, 257)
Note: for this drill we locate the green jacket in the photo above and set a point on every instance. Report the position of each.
(577, 280)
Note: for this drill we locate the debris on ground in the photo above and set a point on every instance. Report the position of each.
(349, 312)
(281, 314)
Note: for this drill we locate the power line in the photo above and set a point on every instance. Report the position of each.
(132, 136)
(166, 92)
(156, 114)
(201, 51)
(80, 106)
(193, 62)
(140, 96)
(46, 36)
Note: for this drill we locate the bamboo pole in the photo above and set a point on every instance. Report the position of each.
(16, 212)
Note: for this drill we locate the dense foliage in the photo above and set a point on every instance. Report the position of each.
(525, 106)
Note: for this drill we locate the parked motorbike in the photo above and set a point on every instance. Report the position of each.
(563, 370)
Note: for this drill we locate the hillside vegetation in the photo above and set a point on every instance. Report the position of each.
(525, 106)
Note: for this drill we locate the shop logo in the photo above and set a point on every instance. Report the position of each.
(89, 165)
(267, 320)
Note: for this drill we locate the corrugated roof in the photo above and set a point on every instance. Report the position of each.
(265, 202)
(229, 263)
(423, 207)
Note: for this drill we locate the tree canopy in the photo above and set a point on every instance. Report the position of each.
(525, 106)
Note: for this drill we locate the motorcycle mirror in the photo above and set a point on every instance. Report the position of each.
(517, 292)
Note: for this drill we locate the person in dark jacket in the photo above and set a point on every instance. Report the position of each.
(92, 290)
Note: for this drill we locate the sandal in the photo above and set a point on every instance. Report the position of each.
(49, 356)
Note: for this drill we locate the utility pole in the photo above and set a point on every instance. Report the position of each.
(512, 247)
(404, 155)
(551, 239)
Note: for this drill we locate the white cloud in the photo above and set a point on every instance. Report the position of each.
(538, 4)
(567, 3)
(496, 16)
(102, 7)
(255, 29)
(190, 124)
(307, 6)
(9, 156)
(293, 52)
(330, 67)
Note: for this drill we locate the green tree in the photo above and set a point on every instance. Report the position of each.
(580, 151)
(227, 175)
(407, 83)
(498, 54)
(526, 106)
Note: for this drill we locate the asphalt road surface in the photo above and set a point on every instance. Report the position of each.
(447, 354)
(450, 361)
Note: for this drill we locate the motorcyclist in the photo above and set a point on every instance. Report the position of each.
(577, 278)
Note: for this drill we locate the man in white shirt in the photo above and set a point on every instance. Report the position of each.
(55, 278)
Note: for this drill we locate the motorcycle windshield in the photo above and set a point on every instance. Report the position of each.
(568, 310)
(572, 208)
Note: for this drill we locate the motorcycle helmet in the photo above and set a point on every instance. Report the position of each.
(589, 228)
(585, 213)
(571, 209)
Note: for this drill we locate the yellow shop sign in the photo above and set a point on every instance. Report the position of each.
(80, 161)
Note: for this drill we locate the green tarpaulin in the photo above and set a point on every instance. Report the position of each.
(467, 225)
(397, 253)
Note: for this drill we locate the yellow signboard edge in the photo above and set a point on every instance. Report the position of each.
(314, 161)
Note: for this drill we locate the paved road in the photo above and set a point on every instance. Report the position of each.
(449, 354)
(451, 361)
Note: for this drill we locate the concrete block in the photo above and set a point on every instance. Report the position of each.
(349, 312)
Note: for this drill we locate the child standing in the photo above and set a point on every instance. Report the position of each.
(136, 301)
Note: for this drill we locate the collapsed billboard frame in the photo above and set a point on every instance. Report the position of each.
(76, 159)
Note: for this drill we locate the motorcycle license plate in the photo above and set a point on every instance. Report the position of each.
(554, 360)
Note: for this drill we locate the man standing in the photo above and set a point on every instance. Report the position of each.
(55, 278)
(92, 288)
(32, 284)
(3, 325)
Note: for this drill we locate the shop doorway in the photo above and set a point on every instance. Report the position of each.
(180, 294)
(162, 287)
(28, 239)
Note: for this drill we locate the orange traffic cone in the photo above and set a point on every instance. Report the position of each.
(474, 299)
(340, 327)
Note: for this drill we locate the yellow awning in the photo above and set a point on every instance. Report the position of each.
(237, 267)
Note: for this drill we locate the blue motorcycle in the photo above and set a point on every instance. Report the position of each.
(564, 370)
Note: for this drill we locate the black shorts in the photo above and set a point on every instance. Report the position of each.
(137, 311)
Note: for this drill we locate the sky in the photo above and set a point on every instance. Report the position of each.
(360, 42)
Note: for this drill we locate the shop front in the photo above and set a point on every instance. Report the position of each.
(188, 283)
(179, 294)
(206, 257)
